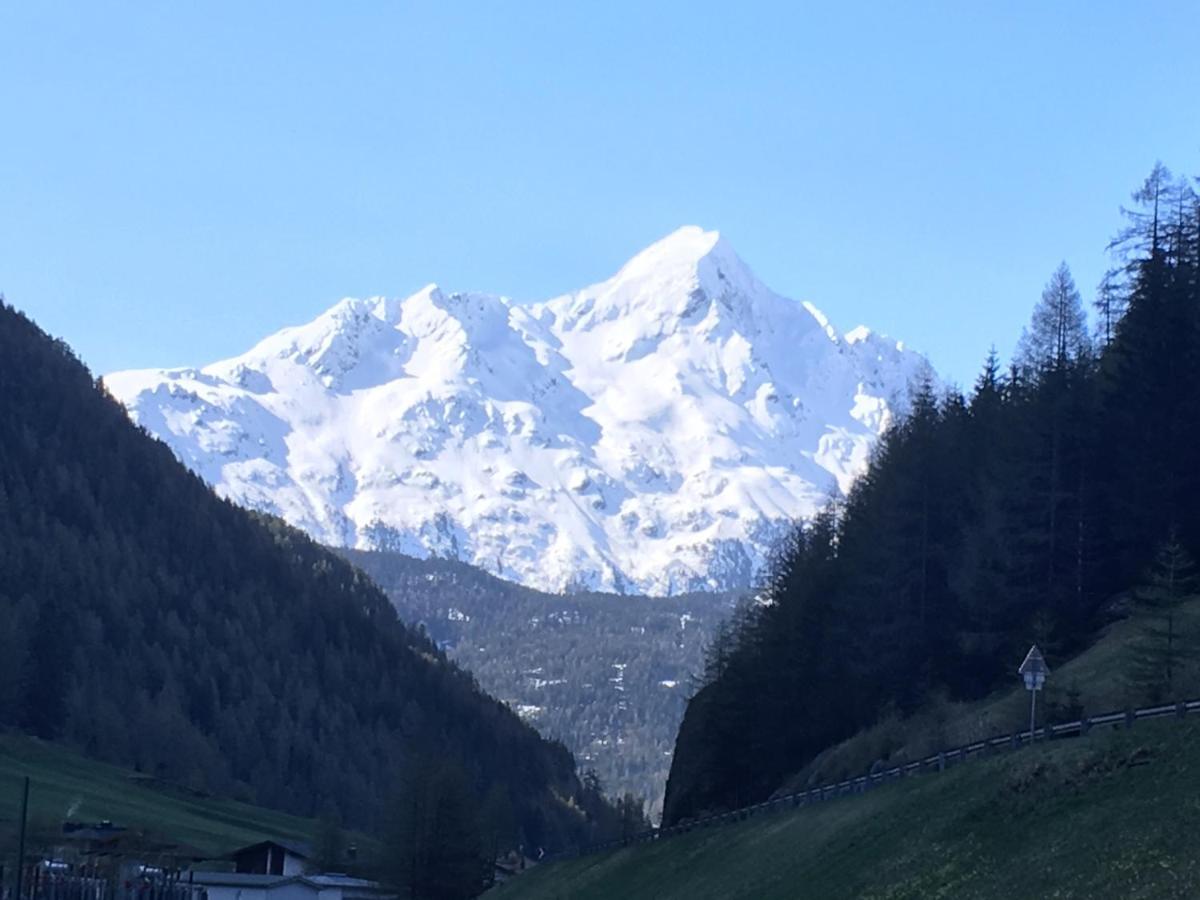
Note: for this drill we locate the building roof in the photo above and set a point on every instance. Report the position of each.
(238, 879)
(335, 879)
(296, 848)
(247, 880)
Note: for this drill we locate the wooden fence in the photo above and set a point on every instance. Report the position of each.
(83, 883)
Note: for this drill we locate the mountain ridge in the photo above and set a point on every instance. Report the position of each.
(656, 432)
(153, 625)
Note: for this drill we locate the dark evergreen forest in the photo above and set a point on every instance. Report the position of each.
(606, 674)
(149, 623)
(1025, 510)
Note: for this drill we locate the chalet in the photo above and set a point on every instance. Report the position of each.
(272, 858)
(278, 870)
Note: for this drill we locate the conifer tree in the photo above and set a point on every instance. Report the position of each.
(146, 621)
(498, 824)
(434, 849)
(1110, 306)
(1151, 414)
(980, 524)
(1143, 235)
(1164, 646)
(632, 815)
(1057, 334)
(329, 845)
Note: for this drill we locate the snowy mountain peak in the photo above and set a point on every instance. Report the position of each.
(655, 432)
(390, 309)
(674, 280)
(685, 259)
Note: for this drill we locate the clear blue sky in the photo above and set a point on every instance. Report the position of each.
(179, 179)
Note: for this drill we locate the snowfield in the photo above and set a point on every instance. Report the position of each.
(655, 433)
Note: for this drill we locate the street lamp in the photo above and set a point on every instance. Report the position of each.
(1034, 670)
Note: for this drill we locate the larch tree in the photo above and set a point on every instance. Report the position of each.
(1057, 334)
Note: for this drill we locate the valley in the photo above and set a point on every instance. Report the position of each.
(599, 452)
(658, 433)
(1089, 817)
(607, 675)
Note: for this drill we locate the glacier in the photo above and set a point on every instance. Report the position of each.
(655, 433)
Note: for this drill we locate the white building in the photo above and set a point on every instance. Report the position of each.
(277, 870)
(253, 886)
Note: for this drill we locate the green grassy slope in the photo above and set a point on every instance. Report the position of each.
(1112, 815)
(1096, 678)
(66, 785)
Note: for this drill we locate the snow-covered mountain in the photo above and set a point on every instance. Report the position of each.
(654, 433)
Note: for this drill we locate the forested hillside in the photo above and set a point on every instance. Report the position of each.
(151, 624)
(1026, 510)
(608, 675)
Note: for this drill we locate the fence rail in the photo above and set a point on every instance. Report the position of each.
(83, 882)
(937, 762)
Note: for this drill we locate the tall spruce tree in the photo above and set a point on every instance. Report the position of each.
(1151, 411)
(1163, 646)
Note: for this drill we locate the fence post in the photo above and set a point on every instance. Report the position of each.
(1085, 726)
(1130, 718)
(941, 761)
(1181, 710)
(21, 838)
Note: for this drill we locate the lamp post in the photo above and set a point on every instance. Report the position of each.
(1034, 670)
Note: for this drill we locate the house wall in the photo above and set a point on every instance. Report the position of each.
(293, 891)
(292, 865)
(224, 892)
(288, 891)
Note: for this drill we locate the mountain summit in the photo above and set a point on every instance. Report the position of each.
(656, 432)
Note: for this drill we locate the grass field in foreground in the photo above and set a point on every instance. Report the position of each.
(66, 785)
(1112, 815)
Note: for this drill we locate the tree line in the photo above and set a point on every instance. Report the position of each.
(150, 624)
(1024, 510)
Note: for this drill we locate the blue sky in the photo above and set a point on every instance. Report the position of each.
(179, 179)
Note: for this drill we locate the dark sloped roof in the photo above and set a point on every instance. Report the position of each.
(247, 880)
(238, 879)
(296, 848)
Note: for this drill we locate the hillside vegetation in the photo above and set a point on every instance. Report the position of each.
(1060, 494)
(150, 624)
(1099, 680)
(606, 674)
(66, 786)
(1112, 815)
